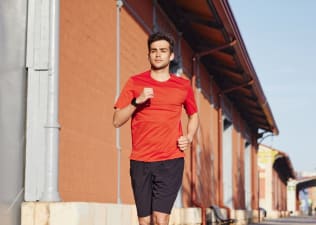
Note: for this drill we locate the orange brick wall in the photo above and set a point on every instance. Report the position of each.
(87, 90)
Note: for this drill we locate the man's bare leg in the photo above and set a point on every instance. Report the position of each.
(160, 218)
(144, 220)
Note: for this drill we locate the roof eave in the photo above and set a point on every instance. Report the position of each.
(232, 28)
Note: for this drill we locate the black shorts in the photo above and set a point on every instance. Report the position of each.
(156, 184)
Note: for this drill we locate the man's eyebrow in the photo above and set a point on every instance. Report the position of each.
(164, 48)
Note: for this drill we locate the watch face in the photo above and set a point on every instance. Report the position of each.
(133, 102)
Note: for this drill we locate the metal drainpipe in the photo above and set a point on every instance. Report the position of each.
(155, 24)
(196, 76)
(220, 147)
(258, 180)
(180, 64)
(119, 4)
(52, 127)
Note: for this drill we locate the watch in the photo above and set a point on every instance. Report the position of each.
(134, 103)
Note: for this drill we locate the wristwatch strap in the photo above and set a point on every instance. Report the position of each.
(134, 103)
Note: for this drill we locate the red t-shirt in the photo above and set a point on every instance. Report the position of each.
(156, 124)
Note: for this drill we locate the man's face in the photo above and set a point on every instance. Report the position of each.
(159, 54)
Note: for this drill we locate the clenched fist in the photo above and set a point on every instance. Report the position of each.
(184, 143)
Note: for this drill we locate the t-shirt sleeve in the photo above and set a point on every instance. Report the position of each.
(126, 96)
(189, 103)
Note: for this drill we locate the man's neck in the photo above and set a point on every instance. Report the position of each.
(160, 75)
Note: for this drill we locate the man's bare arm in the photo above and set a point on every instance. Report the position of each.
(121, 116)
(193, 124)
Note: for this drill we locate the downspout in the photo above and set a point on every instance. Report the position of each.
(119, 4)
(155, 24)
(256, 146)
(220, 147)
(195, 61)
(52, 127)
(179, 71)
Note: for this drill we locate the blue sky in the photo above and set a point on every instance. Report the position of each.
(280, 37)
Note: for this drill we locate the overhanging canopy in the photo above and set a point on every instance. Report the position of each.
(211, 30)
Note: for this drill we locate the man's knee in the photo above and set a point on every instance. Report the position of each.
(144, 220)
(160, 218)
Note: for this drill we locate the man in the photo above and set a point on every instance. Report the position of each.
(154, 99)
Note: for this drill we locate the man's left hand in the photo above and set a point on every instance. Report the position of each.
(184, 143)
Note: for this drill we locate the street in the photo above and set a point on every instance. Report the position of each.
(293, 220)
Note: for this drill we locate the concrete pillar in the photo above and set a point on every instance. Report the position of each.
(291, 195)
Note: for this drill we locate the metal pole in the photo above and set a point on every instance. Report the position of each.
(119, 4)
(50, 192)
(155, 24)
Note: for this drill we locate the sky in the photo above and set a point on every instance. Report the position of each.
(280, 37)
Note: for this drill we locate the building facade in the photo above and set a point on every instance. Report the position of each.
(78, 56)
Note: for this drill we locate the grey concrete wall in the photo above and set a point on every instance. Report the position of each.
(12, 108)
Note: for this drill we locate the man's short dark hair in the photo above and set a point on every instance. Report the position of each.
(158, 36)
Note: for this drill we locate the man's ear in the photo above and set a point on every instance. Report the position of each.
(171, 56)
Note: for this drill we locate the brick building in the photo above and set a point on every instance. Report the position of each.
(93, 47)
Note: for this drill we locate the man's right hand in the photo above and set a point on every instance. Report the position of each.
(146, 94)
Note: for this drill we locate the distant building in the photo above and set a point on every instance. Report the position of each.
(275, 170)
(307, 195)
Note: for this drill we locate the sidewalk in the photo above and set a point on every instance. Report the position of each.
(293, 220)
